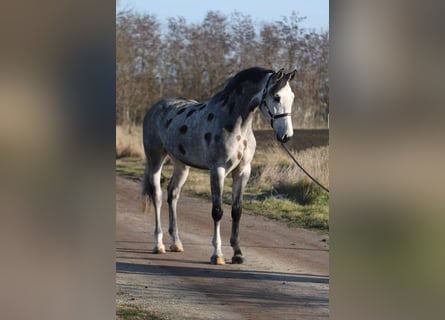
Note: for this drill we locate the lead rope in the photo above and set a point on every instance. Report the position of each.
(301, 167)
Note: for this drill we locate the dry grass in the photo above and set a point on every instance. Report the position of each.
(129, 142)
(273, 166)
(274, 171)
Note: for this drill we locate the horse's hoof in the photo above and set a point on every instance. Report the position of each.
(217, 260)
(176, 248)
(159, 249)
(238, 259)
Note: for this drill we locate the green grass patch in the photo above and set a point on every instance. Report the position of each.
(301, 204)
(303, 192)
(313, 216)
(133, 312)
(130, 167)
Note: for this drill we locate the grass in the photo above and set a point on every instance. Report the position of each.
(277, 188)
(310, 216)
(133, 312)
(130, 167)
(129, 142)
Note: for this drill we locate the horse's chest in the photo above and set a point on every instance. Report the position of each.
(240, 151)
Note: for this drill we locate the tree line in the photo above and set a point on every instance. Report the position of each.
(194, 60)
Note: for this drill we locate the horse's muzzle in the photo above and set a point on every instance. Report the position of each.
(284, 138)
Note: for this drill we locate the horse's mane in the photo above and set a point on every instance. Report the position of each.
(254, 75)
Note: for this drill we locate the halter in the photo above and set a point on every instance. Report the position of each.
(263, 102)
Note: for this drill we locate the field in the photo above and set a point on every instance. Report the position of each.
(277, 188)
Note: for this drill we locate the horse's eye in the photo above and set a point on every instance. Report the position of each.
(276, 98)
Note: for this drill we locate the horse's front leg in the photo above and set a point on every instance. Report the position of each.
(217, 175)
(240, 177)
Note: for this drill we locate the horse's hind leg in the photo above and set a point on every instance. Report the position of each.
(152, 188)
(180, 174)
(240, 177)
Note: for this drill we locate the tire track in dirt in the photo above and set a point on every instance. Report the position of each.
(285, 275)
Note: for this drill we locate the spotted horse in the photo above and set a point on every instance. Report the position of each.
(215, 135)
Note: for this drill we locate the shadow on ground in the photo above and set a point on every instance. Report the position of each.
(185, 271)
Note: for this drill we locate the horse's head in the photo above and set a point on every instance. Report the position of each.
(276, 103)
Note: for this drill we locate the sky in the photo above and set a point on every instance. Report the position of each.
(315, 11)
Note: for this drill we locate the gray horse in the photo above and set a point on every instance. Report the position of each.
(215, 135)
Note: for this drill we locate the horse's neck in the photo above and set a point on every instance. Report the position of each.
(240, 105)
(246, 105)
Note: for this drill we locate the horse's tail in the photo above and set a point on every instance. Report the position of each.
(152, 145)
(147, 190)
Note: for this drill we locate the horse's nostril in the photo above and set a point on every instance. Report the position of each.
(283, 138)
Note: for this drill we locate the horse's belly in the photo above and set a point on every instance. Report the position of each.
(192, 162)
(188, 156)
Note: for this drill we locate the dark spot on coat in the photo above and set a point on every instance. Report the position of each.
(239, 155)
(208, 137)
(180, 111)
(229, 127)
(183, 129)
(229, 163)
(168, 122)
(190, 113)
(238, 138)
(245, 143)
(210, 117)
(202, 107)
(181, 149)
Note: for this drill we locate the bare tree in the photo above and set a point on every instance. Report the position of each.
(244, 42)
(137, 54)
(194, 60)
(270, 45)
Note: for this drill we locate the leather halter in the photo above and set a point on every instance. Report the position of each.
(263, 102)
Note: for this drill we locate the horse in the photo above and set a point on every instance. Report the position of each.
(215, 135)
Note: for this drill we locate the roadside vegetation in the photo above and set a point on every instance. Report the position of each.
(277, 188)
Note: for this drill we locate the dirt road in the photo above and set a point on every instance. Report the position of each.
(285, 275)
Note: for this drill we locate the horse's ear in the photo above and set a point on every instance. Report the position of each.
(291, 75)
(279, 74)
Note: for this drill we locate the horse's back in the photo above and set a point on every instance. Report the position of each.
(155, 116)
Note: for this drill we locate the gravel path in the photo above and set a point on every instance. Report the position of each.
(285, 276)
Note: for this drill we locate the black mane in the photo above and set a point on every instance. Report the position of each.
(235, 84)
(254, 75)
